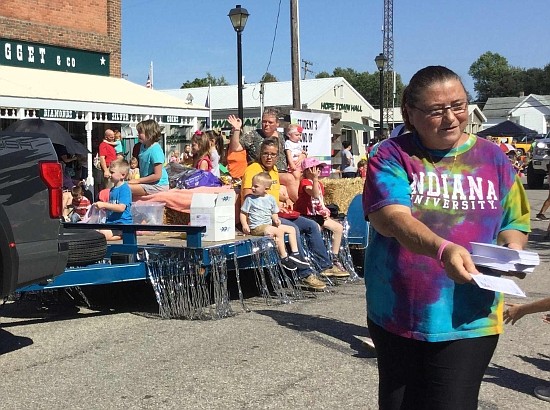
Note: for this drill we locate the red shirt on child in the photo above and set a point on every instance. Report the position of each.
(81, 205)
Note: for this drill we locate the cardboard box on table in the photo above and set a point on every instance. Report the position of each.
(216, 212)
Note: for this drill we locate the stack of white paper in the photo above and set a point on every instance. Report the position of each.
(504, 259)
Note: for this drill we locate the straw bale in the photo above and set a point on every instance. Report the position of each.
(173, 217)
(341, 191)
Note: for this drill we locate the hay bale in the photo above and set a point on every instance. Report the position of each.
(172, 217)
(341, 191)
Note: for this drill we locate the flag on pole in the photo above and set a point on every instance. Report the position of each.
(207, 105)
(149, 82)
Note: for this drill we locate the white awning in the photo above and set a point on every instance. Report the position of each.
(31, 88)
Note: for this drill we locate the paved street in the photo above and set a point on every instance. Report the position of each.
(305, 355)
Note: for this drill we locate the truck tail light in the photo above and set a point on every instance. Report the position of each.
(52, 175)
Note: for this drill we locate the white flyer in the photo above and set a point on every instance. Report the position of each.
(498, 284)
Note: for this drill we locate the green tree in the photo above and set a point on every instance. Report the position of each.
(494, 77)
(204, 82)
(323, 74)
(269, 78)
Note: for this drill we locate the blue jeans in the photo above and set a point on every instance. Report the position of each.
(310, 230)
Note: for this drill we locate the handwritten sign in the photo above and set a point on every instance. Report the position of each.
(316, 135)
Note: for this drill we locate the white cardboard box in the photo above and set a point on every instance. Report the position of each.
(216, 212)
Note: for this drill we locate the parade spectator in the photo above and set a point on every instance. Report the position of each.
(117, 144)
(311, 204)
(362, 168)
(259, 217)
(136, 149)
(120, 200)
(187, 156)
(294, 150)
(153, 177)
(541, 214)
(200, 146)
(79, 204)
(252, 141)
(267, 154)
(347, 164)
(216, 150)
(515, 312)
(236, 155)
(134, 169)
(434, 331)
(107, 154)
(174, 156)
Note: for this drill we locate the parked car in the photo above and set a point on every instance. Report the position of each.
(537, 169)
(523, 144)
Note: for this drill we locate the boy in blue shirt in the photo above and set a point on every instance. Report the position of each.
(120, 200)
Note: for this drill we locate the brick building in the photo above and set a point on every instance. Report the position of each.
(92, 25)
(61, 60)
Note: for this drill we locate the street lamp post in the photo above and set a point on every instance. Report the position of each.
(238, 17)
(380, 61)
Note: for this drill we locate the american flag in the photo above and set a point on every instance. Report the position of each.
(149, 82)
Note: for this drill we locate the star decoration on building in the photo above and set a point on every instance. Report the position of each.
(102, 59)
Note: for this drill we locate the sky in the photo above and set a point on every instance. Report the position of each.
(186, 39)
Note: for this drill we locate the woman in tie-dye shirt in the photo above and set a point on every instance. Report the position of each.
(428, 194)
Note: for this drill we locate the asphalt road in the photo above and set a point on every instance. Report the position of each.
(304, 355)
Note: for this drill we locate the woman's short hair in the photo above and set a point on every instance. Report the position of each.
(420, 81)
(150, 128)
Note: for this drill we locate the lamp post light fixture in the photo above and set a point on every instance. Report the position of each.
(381, 61)
(238, 17)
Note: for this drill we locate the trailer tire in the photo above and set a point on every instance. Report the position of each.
(85, 246)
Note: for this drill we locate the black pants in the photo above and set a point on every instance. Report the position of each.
(430, 375)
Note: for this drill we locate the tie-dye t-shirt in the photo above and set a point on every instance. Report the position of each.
(467, 194)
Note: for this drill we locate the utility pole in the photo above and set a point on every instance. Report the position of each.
(295, 54)
(306, 70)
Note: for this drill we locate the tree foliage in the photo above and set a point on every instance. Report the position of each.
(494, 77)
(366, 84)
(204, 82)
(268, 78)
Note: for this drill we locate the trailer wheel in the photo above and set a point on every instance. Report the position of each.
(85, 246)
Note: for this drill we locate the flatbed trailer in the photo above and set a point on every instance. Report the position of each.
(128, 260)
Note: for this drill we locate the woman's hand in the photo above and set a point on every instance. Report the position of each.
(235, 122)
(458, 263)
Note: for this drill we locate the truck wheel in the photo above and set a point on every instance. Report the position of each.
(85, 246)
(534, 179)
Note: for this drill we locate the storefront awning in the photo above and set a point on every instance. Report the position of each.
(356, 126)
(31, 88)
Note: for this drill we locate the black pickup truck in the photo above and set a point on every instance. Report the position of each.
(34, 245)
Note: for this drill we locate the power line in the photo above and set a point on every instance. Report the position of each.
(274, 37)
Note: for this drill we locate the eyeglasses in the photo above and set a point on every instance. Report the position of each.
(457, 108)
(269, 154)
